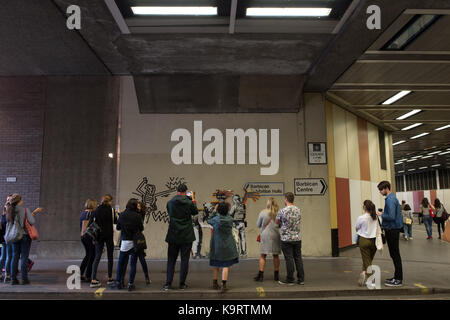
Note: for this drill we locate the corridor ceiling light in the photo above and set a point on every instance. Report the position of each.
(426, 157)
(412, 170)
(412, 126)
(397, 163)
(442, 128)
(398, 142)
(446, 152)
(401, 171)
(423, 167)
(420, 135)
(397, 97)
(171, 11)
(409, 114)
(435, 152)
(288, 12)
(415, 157)
(411, 160)
(436, 165)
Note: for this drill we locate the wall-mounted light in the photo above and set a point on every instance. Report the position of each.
(111, 155)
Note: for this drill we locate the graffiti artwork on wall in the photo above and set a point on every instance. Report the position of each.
(147, 192)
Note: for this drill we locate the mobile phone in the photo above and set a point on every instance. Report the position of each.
(189, 194)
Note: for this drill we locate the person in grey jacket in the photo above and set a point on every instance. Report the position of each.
(407, 221)
(20, 248)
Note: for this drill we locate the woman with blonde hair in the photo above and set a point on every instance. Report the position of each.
(270, 242)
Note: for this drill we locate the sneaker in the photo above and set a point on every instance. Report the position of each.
(25, 282)
(110, 282)
(394, 283)
(410, 238)
(183, 286)
(285, 282)
(148, 281)
(301, 283)
(131, 287)
(14, 282)
(116, 285)
(167, 287)
(95, 284)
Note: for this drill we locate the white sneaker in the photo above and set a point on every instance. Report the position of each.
(362, 279)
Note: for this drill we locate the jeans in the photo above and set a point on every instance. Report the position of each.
(20, 249)
(99, 245)
(197, 245)
(141, 257)
(292, 252)
(123, 263)
(428, 221)
(440, 222)
(88, 260)
(392, 239)
(172, 254)
(407, 229)
(5, 259)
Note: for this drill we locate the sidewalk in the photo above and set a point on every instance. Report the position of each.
(425, 265)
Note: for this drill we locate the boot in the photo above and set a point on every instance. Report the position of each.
(216, 285)
(224, 286)
(259, 277)
(276, 275)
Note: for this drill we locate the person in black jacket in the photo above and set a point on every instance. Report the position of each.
(130, 224)
(180, 234)
(105, 217)
(141, 209)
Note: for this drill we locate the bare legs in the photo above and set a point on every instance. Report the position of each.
(225, 272)
(276, 262)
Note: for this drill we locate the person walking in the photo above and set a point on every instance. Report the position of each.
(291, 242)
(223, 249)
(87, 241)
(441, 216)
(425, 210)
(270, 242)
(130, 224)
(141, 209)
(407, 222)
(180, 234)
(105, 217)
(392, 222)
(6, 254)
(16, 213)
(366, 229)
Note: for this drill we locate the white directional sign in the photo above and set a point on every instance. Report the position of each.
(310, 187)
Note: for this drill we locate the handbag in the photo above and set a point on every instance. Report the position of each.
(379, 239)
(431, 212)
(445, 215)
(408, 221)
(140, 244)
(14, 232)
(259, 235)
(383, 233)
(31, 230)
(92, 230)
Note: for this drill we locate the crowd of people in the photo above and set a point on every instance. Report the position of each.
(279, 233)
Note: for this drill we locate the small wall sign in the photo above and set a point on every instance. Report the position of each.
(317, 153)
(11, 179)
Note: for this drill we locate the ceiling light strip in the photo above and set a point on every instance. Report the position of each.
(420, 135)
(169, 11)
(409, 114)
(288, 12)
(412, 126)
(397, 97)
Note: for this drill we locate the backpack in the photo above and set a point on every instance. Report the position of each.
(92, 230)
(14, 232)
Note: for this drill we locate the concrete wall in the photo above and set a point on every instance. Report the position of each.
(355, 167)
(145, 151)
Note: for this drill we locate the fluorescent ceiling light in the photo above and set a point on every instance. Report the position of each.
(411, 160)
(423, 167)
(409, 114)
(397, 163)
(436, 165)
(435, 152)
(401, 171)
(426, 157)
(288, 12)
(442, 128)
(415, 157)
(412, 170)
(398, 142)
(397, 97)
(420, 135)
(446, 152)
(169, 11)
(412, 126)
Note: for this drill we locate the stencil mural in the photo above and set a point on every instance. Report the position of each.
(147, 192)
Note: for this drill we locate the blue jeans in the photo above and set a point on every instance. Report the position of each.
(123, 263)
(428, 221)
(20, 249)
(407, 229)
(5, 258)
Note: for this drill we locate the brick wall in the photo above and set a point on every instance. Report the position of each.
(22, 103)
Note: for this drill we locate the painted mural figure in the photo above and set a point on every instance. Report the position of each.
(147, 192)
(238, 211)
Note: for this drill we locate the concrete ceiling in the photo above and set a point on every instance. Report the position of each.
(423, 67)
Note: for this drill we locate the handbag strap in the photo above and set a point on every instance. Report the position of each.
(267, 224)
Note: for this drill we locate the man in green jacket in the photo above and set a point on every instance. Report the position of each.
(180, 234)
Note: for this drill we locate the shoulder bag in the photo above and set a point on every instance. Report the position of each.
(92, 230)
(259, 236)
(14, 232)
(31, 229)
(383, 234)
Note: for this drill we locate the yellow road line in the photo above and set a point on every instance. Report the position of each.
(261, 292)
(99, 292)
(347, 271)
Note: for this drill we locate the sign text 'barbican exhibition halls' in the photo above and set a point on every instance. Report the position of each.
(213, 153)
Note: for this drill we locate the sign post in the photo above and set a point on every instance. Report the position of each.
(310, 186)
